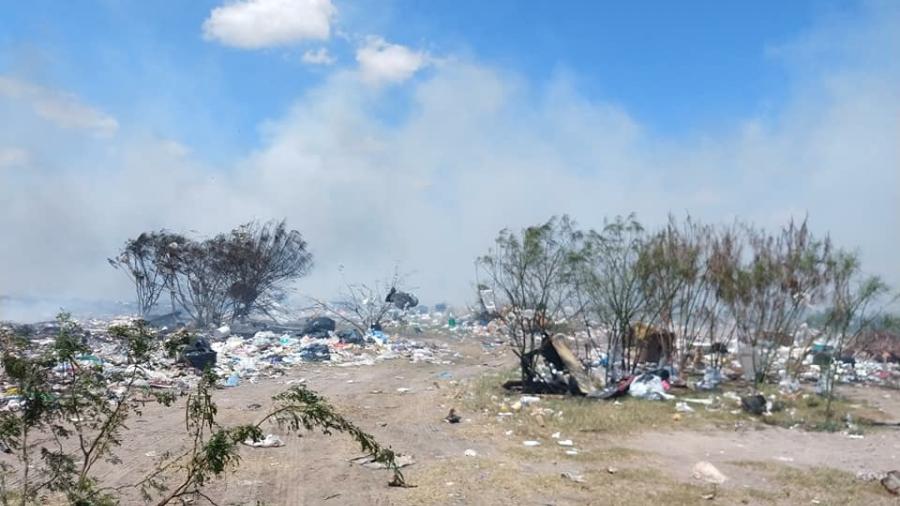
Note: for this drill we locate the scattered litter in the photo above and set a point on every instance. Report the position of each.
(732, 396)
(788, 385)
(452, 417)
(565, 442)
(368, 461)
(682, 407)
(612, 470)
(712, 378)
(233, 381)
(650, 387)
(471, 453)
(870, 475)
(891, 482)
(270, 441)
(531, 443)
(754, 404)
(705, 471)
(529, 399)
(577, 478)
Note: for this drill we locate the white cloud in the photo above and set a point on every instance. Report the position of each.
(62, 109)
(479, 149)
(174, 148)
(319, 56)
(13, 156)
(255, 24)
(382, 62)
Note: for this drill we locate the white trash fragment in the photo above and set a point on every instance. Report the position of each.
(707, 472)
(577, 478)
(471, 453)
(649, 387)
(529, 399)
(270, 441)
(565, 442)
(555, 435)
(572, 452)
(531, 443)
(682, 407)
(732, 396)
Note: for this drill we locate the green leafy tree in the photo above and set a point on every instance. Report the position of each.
(614, 276)
(848, 312)
(769, 282)
(531, 275)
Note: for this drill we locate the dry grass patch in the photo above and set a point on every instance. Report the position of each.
(496, 482)
(627, 415)
(817, 485)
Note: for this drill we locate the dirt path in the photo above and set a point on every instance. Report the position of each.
(876, 452)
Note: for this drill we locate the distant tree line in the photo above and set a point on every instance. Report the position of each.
(223, 278)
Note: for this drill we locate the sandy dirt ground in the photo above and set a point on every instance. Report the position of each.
(316, 469)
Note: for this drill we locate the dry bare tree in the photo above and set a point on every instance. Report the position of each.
(675, 266)
(258, 260)
(225, 277)
(138, 260)
(366, 306)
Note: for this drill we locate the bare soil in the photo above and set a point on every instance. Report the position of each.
(767, 465)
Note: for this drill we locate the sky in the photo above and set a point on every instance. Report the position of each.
(403, 135)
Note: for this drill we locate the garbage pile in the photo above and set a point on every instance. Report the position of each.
(270, 354)
(709, 365)
(235, 357)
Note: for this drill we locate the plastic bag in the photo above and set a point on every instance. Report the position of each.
(712, 378)
(649, 387)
